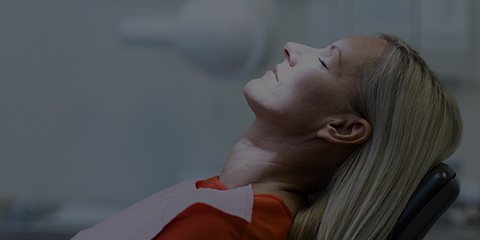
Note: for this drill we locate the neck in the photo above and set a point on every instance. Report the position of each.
(286, 166)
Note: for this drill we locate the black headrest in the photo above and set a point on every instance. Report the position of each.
(433, 196)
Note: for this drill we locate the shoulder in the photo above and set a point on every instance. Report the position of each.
(270, 220)
(201, 221)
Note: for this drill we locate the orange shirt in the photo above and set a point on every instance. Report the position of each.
(271, 219)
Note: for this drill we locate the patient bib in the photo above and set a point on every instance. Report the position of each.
(145, 219)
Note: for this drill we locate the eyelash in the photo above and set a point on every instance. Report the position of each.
(323, 63)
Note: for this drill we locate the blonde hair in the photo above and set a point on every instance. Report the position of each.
(416, 124)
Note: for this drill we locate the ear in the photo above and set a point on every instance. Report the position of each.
(345, 130)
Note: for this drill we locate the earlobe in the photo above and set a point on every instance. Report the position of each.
(345, 130)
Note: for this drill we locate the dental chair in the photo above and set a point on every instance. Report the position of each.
(437, 191)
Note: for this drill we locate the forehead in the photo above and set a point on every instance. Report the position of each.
(362, 45)
(356, 51)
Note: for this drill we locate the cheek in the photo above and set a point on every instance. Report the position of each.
(306, 89)
(306, 78)
(311, 98)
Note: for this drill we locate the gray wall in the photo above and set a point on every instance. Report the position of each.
(85, 117)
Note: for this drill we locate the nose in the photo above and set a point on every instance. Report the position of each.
(292, 51)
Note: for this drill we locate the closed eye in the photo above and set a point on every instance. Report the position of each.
(323, 63)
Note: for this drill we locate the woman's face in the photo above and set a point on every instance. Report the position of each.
(311, 83)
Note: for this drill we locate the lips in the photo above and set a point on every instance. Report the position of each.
(275, 71)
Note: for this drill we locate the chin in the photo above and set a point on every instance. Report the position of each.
(250, 89)
(248, 94)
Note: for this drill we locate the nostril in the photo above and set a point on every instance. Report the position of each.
(288, 57)
(286, 53)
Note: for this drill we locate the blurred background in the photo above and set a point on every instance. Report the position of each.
(105, 102)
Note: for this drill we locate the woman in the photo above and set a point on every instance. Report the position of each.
(343, 135)
(341, 138)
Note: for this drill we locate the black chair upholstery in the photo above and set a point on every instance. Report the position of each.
(437, 191)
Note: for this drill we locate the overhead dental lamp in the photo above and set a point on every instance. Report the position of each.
(222, 37)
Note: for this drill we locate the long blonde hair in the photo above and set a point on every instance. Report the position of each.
(416, 124)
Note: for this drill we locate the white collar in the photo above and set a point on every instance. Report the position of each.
(145, 219)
